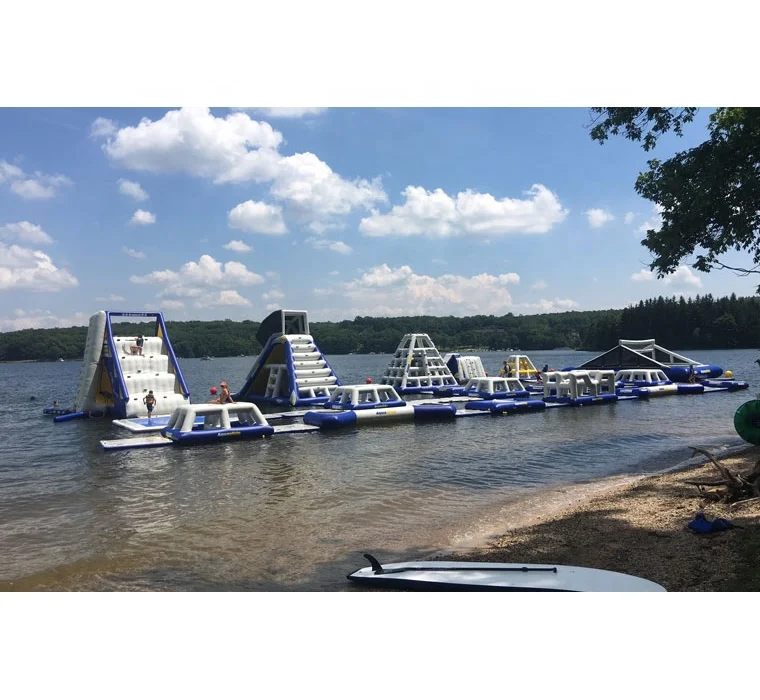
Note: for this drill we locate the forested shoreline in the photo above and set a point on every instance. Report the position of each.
(702, 322)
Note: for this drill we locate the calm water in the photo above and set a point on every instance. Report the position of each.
(296, 512)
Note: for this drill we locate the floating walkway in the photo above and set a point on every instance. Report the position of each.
(364, 403)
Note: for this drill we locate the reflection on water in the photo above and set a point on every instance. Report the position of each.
(295, 512)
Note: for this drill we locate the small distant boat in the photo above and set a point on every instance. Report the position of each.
(60, 359)
(477, 576)
(207, 357)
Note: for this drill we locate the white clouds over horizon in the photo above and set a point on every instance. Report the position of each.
(682, 278)
(39, 318)
(387, 291)
(201, 281)
(438, 215)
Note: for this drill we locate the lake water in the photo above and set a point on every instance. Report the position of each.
(296, 512)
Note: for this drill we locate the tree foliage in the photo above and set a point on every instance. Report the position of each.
(699, 323)
(708, 196)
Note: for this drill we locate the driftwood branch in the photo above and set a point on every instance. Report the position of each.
(730, 487)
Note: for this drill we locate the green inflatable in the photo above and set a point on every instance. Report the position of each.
(747, 421)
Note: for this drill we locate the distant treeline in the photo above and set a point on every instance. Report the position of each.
(699, 323)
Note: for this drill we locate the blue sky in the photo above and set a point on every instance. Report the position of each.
(229, 213)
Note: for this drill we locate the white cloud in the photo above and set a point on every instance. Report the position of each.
(334, 273)
(23, 268)
(643, 276)
(290, 112)
(42, 187)
(273, 295)
(239, 149)
(226, 297)
(598, 217)
(682, 278)
(111, 297)
(539, 284)
(142, 217)
(103, 127)
(25, 231)
(547, 306)
(312, 190)
(9, 172)
(257, 217)
(196, 280)
(272, 307)
(133, 253)
(238, 246)
(654, 221)
(235, 148)
(31, 186)
(172, 304)
(436, 214)
(629, 216)
(38, 318)
(132, 189)
(386, 291)
(335, 246)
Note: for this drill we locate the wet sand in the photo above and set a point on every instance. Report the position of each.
(638, 526)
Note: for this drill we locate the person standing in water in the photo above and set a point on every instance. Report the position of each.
(150, 402)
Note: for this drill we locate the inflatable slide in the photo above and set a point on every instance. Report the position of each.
(118, 371)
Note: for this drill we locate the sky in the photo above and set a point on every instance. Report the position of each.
(379, 209)
(230, 213)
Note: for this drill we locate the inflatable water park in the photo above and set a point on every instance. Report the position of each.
(123, 378)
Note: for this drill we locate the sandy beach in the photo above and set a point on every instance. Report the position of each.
(640, 528)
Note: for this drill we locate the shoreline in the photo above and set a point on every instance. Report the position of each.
(635, 524)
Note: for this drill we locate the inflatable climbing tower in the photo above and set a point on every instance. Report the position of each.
(290, 369)
(116, 376)
(417, 367)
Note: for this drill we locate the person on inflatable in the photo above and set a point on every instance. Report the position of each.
(692, 377)
(138, 346)
(224, 395)
(150, 402)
